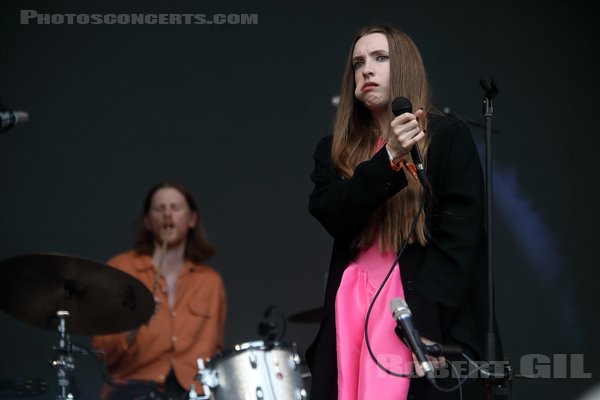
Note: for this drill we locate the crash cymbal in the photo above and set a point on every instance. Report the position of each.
(100, 299)
(314, 315)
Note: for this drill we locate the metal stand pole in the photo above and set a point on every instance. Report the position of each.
(65, 364)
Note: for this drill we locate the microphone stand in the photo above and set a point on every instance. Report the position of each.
(498, 382)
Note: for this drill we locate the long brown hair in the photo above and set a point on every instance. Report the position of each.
(197, 247)
(355, 135)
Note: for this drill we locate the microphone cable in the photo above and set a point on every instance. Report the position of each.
(374, 300)
(372, 304)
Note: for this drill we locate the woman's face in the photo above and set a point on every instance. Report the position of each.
(169, 217)
(371, 62)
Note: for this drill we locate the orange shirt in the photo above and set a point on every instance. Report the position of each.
(173, 338)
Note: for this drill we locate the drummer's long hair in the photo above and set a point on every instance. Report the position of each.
(355, 135)
(197, 247)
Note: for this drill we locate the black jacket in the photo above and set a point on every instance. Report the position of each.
(445, 281)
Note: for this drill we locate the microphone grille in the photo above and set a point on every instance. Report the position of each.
(401, 105)
(399, 305)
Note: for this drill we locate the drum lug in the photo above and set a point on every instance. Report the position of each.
(253, 362)
(259, 393)
(294, 361)
(208, 378)
(301, 394)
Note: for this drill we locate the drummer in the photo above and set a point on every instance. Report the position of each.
(168, 257)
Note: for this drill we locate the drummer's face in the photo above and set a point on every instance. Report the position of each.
(169, 217)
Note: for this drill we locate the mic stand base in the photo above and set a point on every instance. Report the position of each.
(498, 386)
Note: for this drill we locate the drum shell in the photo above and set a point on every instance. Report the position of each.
(255, 369)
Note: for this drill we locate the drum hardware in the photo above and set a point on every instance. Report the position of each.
(94, 298)
(295, 360)
(193, 394)
(306, 375)
(65, 363)
(253, 370)
(252, 359)
(301, 394)
(209, 380)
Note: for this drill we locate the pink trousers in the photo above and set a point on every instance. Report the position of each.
(359, 378)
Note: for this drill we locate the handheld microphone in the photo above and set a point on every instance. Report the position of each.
(8, 119)
(403, 318)
(402, 105)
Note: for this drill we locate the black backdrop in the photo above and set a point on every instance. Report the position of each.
(234, 112)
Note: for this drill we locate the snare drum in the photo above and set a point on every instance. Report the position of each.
(254, 370)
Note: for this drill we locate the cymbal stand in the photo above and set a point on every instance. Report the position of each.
(65, 363)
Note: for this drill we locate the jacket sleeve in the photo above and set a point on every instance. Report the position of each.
(442, 279)
(343, 206)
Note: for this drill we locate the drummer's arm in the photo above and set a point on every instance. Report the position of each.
(115, 346)
(121, 343)
(130, 336)
(222, 312)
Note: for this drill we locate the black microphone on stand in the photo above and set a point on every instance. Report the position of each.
(402, 105)
(9, 118)
(267, 328)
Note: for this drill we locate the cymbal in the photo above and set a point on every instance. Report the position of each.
(314, 315)
(99, 298)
